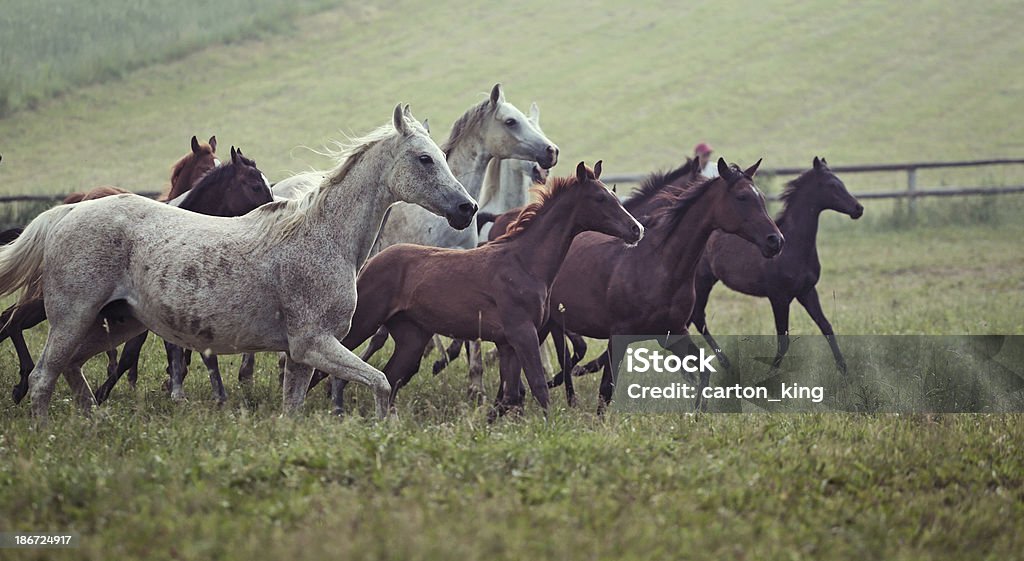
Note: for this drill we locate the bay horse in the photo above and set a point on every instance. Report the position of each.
(793, 274)
(603, 290)
(233, 189)
(280, 278)
(185, 173)
(497, 292)
(641, 203)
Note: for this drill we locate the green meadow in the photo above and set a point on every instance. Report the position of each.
(111, 94)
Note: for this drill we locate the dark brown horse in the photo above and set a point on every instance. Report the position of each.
(641, 203)
(793, 274)
(185, 173)
(603, 290)
(497, 292)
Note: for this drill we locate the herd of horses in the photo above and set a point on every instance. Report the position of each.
(226, 263)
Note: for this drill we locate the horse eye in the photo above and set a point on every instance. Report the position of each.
(510, 122)
(425, 159)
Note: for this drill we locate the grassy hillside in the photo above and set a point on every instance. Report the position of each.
(49, 47)
(635, 85)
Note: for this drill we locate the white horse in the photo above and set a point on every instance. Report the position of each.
(281, 278)
(507, 183)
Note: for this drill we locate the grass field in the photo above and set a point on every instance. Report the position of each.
(146, 478)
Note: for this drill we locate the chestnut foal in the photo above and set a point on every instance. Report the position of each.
(497, 292)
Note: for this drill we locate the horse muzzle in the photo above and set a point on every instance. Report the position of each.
(462, 216)
(772, 245)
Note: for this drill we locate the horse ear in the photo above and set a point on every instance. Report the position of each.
(213, 143)
(497, 96)
(723, 169)
(581, 172)
(398, 120)
(234, 155)
(195, 144)
(426, 125)
(816, 163)
(749, 172)
(824, 163)
(597, 169)
(535, 113)
(407, 112)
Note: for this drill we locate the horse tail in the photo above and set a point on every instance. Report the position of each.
(21, 262)
(483, 218)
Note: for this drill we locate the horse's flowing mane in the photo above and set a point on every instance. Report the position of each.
(280, 219)
(789, 193)
(654, 183)
(530, 212)
(679, 200)
(466, 123)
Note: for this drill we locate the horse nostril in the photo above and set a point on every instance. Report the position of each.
(468, 209)
(774, 241)
(635, 230)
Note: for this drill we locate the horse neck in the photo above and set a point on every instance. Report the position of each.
(468, 160)
(184, 180)
(490, 194)
(683, 246)
(351, 213)
(514, 185)
(207, 199)
(542, 247)
(800, 227)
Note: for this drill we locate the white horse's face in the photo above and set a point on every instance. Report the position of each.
(509, 134)
(420, 175)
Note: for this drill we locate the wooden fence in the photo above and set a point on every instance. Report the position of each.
(911, 193)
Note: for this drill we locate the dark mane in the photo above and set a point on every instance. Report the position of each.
(654, 183)
(789, 193)
(216, 176)
(680, 199)
(464, 124)
(558, 186)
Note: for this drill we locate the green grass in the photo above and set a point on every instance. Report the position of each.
(146, 478)
(51, 47)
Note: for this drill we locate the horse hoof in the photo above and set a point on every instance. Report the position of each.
(166, 386)
(571, 401)
(578, 371)
(101, 394)
(842, 367)
(18, 394)
(178, 396)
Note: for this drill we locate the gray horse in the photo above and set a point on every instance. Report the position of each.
(281, 278)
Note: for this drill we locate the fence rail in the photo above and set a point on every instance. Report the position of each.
(912, 192)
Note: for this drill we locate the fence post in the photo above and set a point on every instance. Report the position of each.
(911, 187)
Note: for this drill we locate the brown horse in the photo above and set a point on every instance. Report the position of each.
(793, 274)
(641, 203)
(603, 290)
(497, 292)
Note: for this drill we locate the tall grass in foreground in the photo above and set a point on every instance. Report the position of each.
(48, 47)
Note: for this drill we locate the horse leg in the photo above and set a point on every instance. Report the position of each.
(699, 319)
(296, 375)
(546, 347)
(607, 386)
(74, 338)
(405, 361)
(685, 346)
(26, 365)
(325, 352)
(245, 370)
(809, 300)
(509, 398)
(129, 361)
(111, 362)
(80, 387)
(564, 361)
(435, 342)
(216, 384)
(448, 355)
(780, 307)
(376, 343)
(476, 371)
(524, 339)
(176, 363)
(16, 320)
